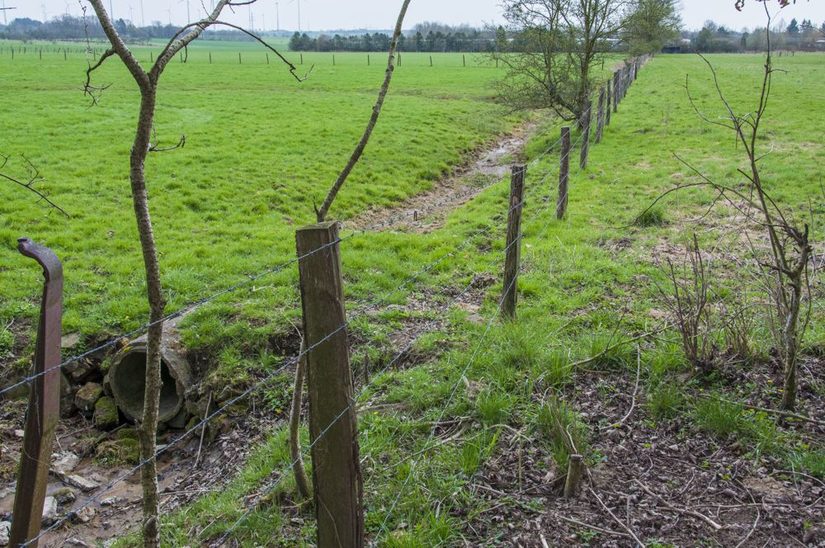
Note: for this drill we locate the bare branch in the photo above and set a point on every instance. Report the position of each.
(376, 112)
(34, 177)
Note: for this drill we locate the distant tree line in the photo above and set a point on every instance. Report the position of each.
(68, 27)
(425, 37)
(715, 38)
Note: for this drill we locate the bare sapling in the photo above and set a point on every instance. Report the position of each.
(688, 303)
(298, 469)
(785, 264)
(147, 82)
(321, 213)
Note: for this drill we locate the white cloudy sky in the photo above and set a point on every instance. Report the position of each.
(380, 14)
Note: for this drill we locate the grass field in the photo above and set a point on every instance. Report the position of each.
(261, 148)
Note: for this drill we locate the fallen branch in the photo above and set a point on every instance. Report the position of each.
(593, 527)
(636, 388)
(616, 519)
(683, 511)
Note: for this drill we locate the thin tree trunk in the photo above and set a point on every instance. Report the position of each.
(376, 112)
(149, 422)
(790, 335)
(298, 470)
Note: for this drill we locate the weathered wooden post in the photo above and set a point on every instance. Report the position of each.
(513, 250)
(44, 402)
(210, 57)
(240, 61)
(564, 174)
(333, 59)
(609, 102)
(336, 470)
(267, 58)
(368, 59)
(616, 91)
(587, 123)
(600, 117)
(464, 58)
(575, 468)
(431, 60)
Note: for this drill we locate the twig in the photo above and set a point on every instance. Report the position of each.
(636, 388)
(683, 511)
(593, 527)
(203, 430)
(616, 519)
(779, 412)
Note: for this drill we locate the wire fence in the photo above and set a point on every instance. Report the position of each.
(293, 361)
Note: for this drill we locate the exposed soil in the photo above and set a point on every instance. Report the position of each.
(427, 212)
(115, 507)
(665, 482)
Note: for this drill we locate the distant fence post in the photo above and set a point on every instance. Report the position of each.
(431, 60)
(336, 469)
(210, 57)
(240, 61)
(600, 117)
(608, 110)
(464, 59)
(616, 91)
(564, 174)
(587, 123)
(302, 58)
(267, 58)
(368, 59)
(513, 250)
(333, 59)
(44, 402)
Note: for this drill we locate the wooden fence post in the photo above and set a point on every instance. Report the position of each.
(44, 402)
(564, 174)
(431, 60)
(608, 110)
(240, 61)
(600, 117)
(513, 250)
(464, 58)
(336, 470)
(210, 57)
(588, 117)
(616, 92)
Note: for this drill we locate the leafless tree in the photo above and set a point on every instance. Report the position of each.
(148, 82)
(785, 270)
(557, 43)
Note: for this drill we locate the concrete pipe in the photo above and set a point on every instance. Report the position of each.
(127, 378)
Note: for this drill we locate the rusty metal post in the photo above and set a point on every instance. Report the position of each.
(44, 401)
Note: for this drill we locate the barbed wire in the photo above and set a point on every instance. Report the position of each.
(193, 306)
(400, 354)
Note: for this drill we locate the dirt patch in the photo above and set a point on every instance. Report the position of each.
(427, 212)
(666, 482)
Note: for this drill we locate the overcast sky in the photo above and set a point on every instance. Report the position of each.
(381, 14)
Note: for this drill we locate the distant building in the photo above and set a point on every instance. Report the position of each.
(682, 46)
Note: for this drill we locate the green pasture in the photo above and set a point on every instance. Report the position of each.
(261, 149)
